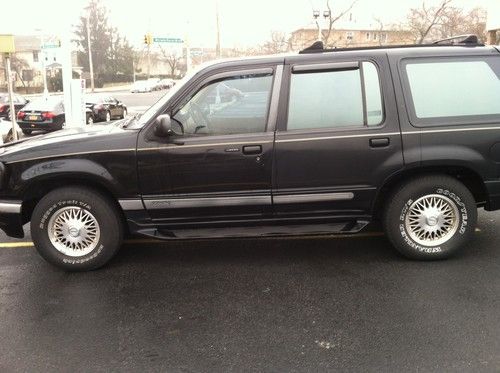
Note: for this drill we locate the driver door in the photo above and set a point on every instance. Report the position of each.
(220, 168)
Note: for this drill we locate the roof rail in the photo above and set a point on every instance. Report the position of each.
(469, 40)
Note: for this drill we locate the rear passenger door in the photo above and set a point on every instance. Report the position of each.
(338, 137)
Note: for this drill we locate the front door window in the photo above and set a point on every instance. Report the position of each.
(235, 105)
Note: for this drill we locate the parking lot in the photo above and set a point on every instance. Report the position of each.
(303, 304)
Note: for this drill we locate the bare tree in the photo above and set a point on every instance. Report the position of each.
(17, 65)
(278, 43)
(331, 20)
(422, 20)
(456, 21)
(380, 29)
(172, 58)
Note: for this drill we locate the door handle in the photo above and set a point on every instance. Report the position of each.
(379, 142)
(252, 149)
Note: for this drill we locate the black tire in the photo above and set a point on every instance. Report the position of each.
(400, 216)
(89, 201)
(27, 132)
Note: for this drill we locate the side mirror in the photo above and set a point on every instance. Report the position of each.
(165, 126)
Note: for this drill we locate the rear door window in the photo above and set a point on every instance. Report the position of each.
(340, 97)
(453, 91)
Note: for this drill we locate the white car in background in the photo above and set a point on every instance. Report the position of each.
(155, 84)
(141, 86)
(6, 131)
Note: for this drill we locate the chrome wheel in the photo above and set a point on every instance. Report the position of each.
(432, 220)
(108, 116)
(74, 231)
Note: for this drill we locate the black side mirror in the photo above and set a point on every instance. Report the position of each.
(165, 126)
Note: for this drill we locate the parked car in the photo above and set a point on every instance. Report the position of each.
(104, 108)
(166, 83)
(155, 84)
(45, 114)
(323, 142)
(141, 86)
(19, 103)
(6, 135)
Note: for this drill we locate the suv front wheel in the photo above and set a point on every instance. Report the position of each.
(76, 229)
(431, 217)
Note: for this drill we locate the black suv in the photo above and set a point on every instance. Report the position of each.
(316, 143)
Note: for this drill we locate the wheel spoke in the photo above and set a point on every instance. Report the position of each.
(74, 231)
(432, 220)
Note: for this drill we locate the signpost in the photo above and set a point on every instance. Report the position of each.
(7, 46)
(168, 40)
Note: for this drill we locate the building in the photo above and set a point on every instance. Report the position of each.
(493, 23)
(28, 62)
(349, 37)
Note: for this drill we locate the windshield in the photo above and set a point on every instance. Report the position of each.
(153, 110)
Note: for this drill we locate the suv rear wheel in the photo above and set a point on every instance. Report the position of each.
(430, 217)
(76, 229)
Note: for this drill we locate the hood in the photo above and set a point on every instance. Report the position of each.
(93, 138)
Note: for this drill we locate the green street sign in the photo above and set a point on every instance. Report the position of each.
(168, 40)
(49, 46)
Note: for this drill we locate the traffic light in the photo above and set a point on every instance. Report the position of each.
(148, 39)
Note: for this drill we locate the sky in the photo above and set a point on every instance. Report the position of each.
(242, 22)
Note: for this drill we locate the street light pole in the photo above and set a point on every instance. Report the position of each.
(316, 17)
(91, 66)
(44, 67)
(11, 97)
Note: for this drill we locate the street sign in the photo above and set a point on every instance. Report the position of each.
(168, 40)
(50, 46)
(7, 44)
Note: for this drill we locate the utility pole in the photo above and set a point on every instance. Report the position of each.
(149, 60)
(91, 66)
(217, 45)
(11, 98)
(44, 67)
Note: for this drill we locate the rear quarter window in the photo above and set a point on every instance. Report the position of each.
(441, 91)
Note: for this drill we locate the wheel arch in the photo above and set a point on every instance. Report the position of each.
(40, 187)
(471, 179)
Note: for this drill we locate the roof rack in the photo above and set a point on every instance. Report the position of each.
(468, 40)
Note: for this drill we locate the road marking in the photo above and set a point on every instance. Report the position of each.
(10, 245)
(13, 245)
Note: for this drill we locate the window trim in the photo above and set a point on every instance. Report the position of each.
(320, 67)
(273, 71)
(440, 121)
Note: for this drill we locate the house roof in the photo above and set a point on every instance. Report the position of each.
(25, 43)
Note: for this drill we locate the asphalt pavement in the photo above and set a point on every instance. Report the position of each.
(272, 305)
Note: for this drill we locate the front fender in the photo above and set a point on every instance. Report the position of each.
(59, 171)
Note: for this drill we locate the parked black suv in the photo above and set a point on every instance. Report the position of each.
(317, 143)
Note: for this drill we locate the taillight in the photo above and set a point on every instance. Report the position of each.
(21, 115)
(2, 108)
(48, 115)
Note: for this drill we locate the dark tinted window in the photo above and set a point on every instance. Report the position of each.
(335, 98)
(449, 90)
